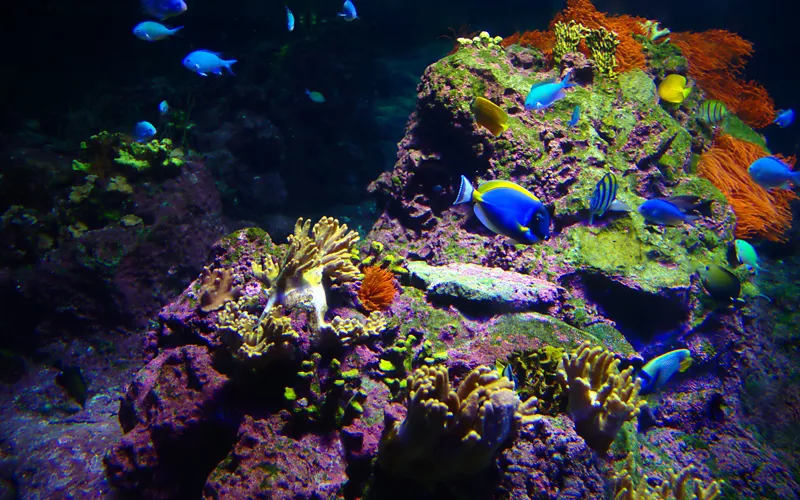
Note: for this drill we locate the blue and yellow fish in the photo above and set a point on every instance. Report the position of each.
(507, 209)
(712, 112)
(543, 94)
(507, 372)
(604, 198)
(657, 372)
(784, 118)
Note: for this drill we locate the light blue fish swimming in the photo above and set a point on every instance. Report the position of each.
(315, 96)
(576, 115)
(151, 31)
(664, 213)
(747, 255)
(657, 372)
(204, 62)
(143, 132)
(543, 94)
(348, 11)
(289, 19)
(163, 108)
(507, 209)
(771, 172)
(163, 9)
(604, 198)
(784, 118)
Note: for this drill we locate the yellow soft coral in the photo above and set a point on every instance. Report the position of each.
(678, 486)
(601, 398)
(216, 288)
(297, 278)
(256, 341)
(353, 330)
(448, 433)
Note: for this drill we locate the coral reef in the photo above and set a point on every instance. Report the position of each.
(377, 289)
(216, 288)
(256, 341)
(677, 486)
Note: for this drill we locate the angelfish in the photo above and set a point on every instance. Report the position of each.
(657, 372)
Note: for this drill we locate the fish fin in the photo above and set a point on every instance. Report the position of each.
(647, 380)
(567, 80)
(691, 218)
(497, 183)
(174, 31)
(559, 95)
(465, 191)
(228, 65)
(591, 218)
(619, 206)
(539, 84)
(201, 73)
(481, 214)
(796, 178)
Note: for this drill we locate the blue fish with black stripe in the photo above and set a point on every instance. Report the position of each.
(712, 112)
(604, 198)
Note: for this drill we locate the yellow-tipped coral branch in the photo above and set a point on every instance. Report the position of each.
(256, 341)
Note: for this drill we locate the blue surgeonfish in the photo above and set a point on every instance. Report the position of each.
(664, 213)
(784, 118)
(151, 31)
(204, 62)
(507, 209)
(348, 11)
(657, 372)
(543, 94)
(604, 198)
(770, 172)
(143, 132)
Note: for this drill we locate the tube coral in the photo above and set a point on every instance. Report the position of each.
(758, 212)
(377, 290)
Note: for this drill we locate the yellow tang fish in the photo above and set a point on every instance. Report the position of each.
(490, 115)
(673, 89)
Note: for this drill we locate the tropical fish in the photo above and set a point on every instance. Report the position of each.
(162, 9)
(576, 115)
(543, 94)
(143, 132)
(604, 198)
(771, 172)
(665, 213)
(712, 112)
(490, 115)
(163, 108)
(151, 31)
(315, 96)
(784, 118)
(657, 372)
(507, 209)
(691, 203)
(204, 62)
(289, 19)
(70, 378)
(673, 89)
(508, 372)
(348, 11)
(720, 283)
(746, 254)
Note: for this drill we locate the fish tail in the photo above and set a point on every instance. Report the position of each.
(796, 178)
(591, 218)
(228, 65)
(175, 30)
(465, 192)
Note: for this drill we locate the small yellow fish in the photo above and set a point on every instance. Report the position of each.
(490, 115)
(673, 89)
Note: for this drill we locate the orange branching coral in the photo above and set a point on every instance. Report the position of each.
(377, 289)
(542, 40)
(716, 60)
(758, 212)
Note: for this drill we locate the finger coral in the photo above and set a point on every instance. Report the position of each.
(601, 398)
(450, 433)
(678, 486)
(216, 288)
(256, 341)
(377, 290)
(352, 330)
(758, 212)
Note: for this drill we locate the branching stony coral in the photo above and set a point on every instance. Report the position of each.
(678, 486)
(447, 433)
(601, 398)
(256, 341)
(216, 288)
(568, 37)
(297, 279)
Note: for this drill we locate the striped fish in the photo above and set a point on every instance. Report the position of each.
(604, 193)
(712, 112)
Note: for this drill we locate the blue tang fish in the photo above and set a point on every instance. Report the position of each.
(657, 372)
(348, 11)
(665, 213)
(204, 62)
(163, 108)
(289, 19)
(315, 96)
(162, 9)
(143, 132)
(604, 198)
(508, 209)
(770, 172)
(543, 94)
(576, 115)
(784, 118)
(151, 31)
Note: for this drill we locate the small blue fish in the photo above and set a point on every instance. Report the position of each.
(543, 94)
(348, 11)
(604, 198)
(163, 108)
(507, 209)
(747, 255)
(143, 132)
(784, 118)
(315, 96)
(151, 31)
(204, 62)
(162, 9)
(770, 172)
(665, 213)
(289, 19)
(576, 115)
(657, 372)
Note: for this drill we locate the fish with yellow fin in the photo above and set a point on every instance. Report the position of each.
(674, 89)
(490, 115)
(657, 372)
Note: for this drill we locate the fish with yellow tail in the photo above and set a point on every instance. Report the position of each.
(674, 89)
(507, 209)
(657, 372)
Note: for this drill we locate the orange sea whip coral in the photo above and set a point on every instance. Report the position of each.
(377, 289)
(716, 60)
(758, 212)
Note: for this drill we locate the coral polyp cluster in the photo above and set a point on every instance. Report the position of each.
(253, 340)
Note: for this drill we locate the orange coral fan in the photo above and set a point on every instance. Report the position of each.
(758, 212)
(542, 40)
(377, 289)
(716, 60)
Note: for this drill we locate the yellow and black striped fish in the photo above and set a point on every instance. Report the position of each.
(712, 112)
(604, 193)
